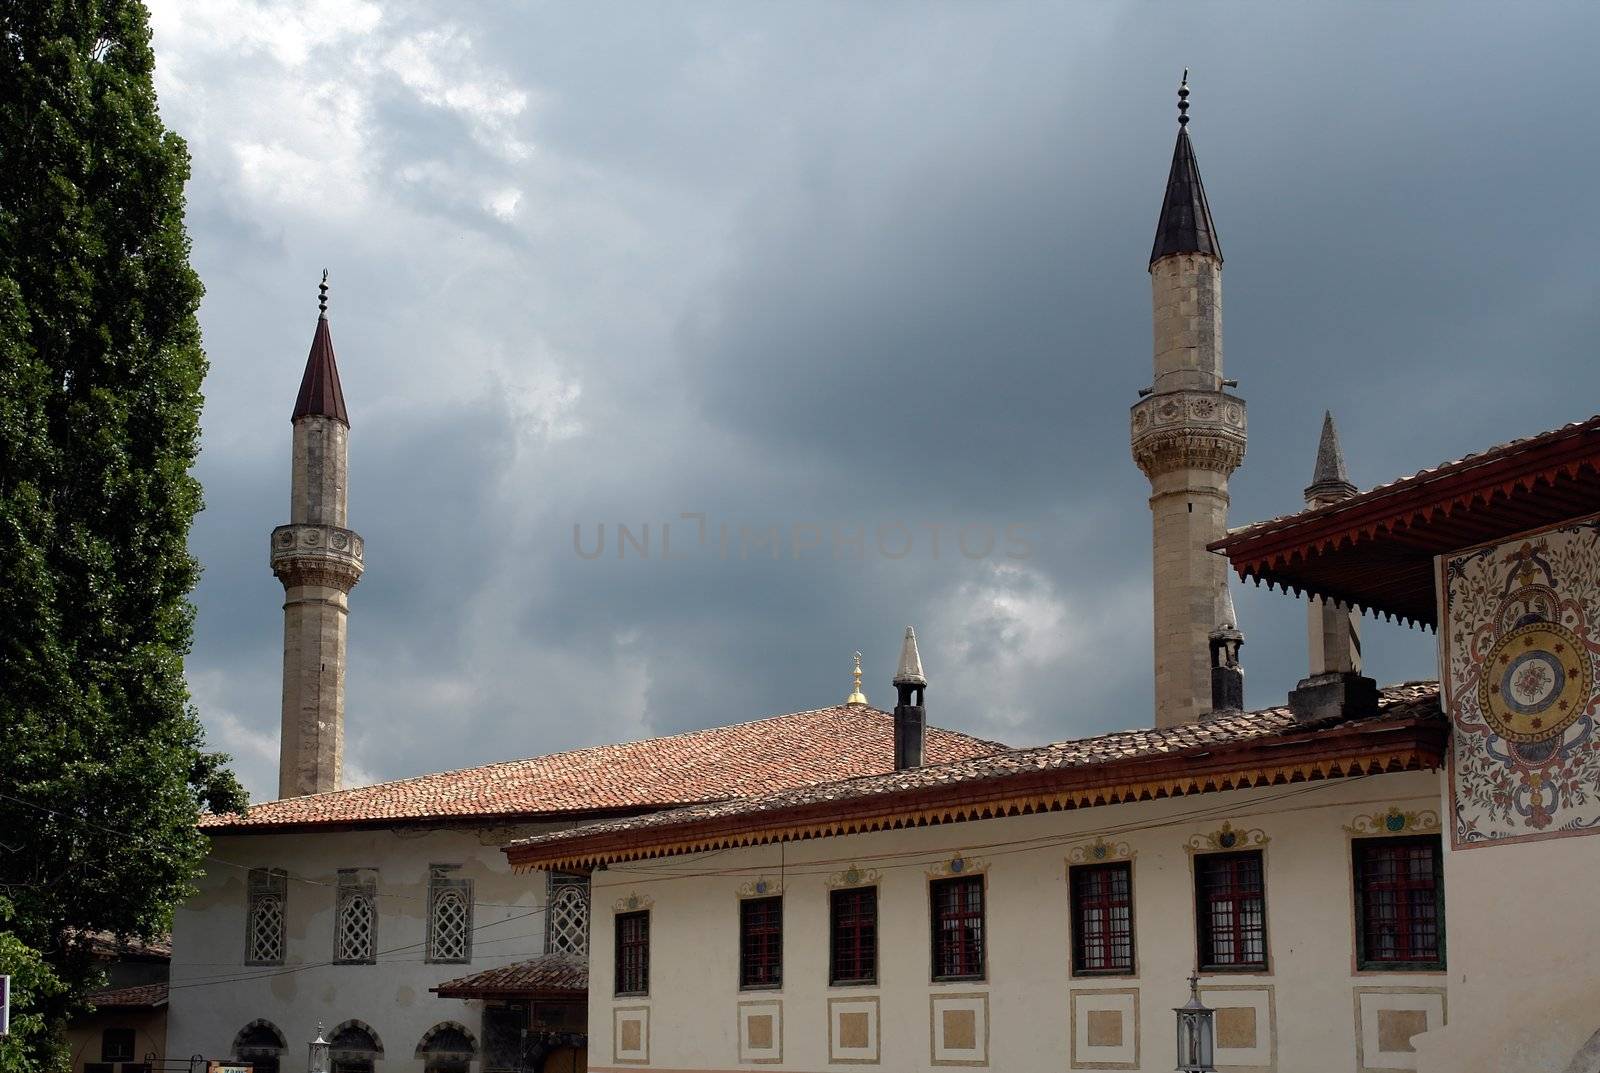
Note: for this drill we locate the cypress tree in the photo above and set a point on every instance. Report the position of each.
(103, 767)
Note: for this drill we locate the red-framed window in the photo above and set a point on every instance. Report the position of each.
(633, 953)
(957, 912)
(761, 942)
(1231, 910)
(1102, 918)
(1399, 903)
(853, 936)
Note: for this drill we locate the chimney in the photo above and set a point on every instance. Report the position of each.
(1227, 673)
(910, 722)
(1335, 688)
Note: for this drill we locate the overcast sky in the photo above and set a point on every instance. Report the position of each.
(834, 268)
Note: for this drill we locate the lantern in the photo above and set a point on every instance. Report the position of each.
(318, 1060)
(1196, 1033)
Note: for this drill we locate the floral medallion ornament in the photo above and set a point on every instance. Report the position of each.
(1395, 821)
(633, 903)
(1099, 850)
(1227, 837)
(854, 876)
(761, 887)
(959, 864)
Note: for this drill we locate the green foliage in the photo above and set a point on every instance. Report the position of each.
(103, 767)
(32, 984)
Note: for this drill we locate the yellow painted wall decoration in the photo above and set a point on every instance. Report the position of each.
(1521, 649)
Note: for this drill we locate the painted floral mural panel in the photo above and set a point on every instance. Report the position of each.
(1522, 655)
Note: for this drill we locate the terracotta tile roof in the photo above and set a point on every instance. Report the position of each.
(777, 753)
(1230, 749)
(1444, 469)
(1375, 550)
(144, 996)
(560, 974)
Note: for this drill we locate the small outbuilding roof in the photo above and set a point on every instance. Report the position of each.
(551, 975)
(142, 997)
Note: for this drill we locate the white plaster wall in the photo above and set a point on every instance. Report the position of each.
(214, 994)
(1524, 958)
(694, 995)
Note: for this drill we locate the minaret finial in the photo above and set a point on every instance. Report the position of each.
(1183, 100)
(322, 295)
(857, 698)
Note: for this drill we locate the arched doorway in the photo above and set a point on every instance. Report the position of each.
(261, 1045)
(354, 1048)
(447, 1047)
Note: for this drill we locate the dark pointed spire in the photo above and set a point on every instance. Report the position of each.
(320, 393)
(1186, 225)
(1331, 480)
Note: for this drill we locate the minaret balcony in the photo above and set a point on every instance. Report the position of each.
(1178, 429)
(317, 554)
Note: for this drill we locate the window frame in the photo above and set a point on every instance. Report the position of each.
(1204, 940)
(354, 884)
(107, 1055)
(619, 949)
(442, 881)
(264, 884)
(748, 906)
(1075, 909)
(1364, 962)
(979, 882)
(834, 897)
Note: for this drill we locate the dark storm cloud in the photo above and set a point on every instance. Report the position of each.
(814, 264)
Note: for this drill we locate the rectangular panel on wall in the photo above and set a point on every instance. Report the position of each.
(1521, 666)
(959, 1024)
(1245, 1026)
(1387, 1018)
(853, 1030)
(761, 1031)
(1105, 1027)
(630, 1034)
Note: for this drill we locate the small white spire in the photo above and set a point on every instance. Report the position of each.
(909, 673)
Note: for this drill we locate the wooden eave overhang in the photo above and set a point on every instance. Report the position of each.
(1369, 747)
(467, 990)
(1375, 550)
(438, 822)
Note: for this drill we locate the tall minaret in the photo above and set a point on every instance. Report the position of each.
(319, 561)
(1188, 436)
(1333, 636)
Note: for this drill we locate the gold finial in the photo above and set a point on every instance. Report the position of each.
(857, 698)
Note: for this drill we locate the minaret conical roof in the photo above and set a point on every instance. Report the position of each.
(1331, 477)
(1185, 225)
(320, 393)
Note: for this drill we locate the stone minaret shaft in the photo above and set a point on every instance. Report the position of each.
(1333, 633)
(1188, 437)
(319, 560)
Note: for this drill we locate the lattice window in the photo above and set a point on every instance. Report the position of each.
(1399, 903)
(853, 938)
(355, 937)
(449, 915)
(567, 919)
(957, 928)
(265, 916)
(1231, 906)
(761, 942)
(1102, 918)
